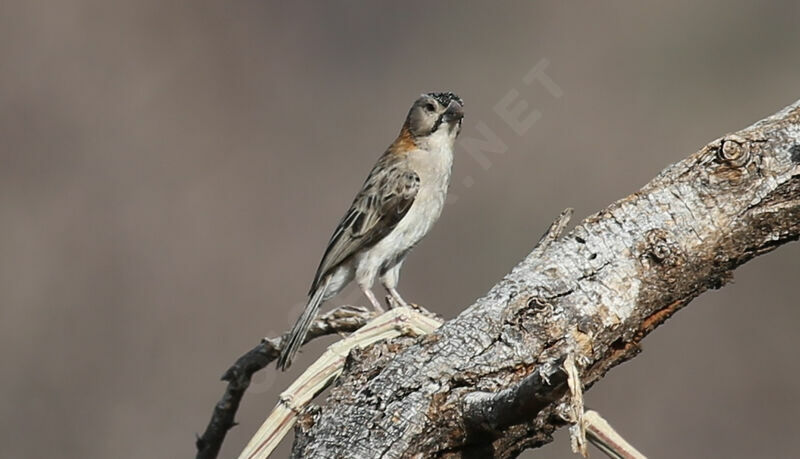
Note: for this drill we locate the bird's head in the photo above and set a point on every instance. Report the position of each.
(435, 115)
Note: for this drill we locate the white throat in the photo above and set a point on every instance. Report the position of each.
(442, 139)
(433, 159)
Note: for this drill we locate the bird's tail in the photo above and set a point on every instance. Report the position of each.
(298, 334)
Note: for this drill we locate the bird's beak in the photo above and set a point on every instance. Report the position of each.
(454, 112)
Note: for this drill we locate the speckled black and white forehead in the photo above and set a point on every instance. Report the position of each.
(445, 98)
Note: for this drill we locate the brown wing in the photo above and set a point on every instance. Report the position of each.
(384, 199)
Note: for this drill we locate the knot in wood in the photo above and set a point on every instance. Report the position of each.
(589, 324)
(734, 151)
(538, 304)
(659, 247)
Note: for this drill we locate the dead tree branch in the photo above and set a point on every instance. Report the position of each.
(478, 385)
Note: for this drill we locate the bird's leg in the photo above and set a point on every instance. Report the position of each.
(396, 296)
(389, 280)
(371, 297)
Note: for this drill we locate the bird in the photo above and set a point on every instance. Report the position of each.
(397, 205)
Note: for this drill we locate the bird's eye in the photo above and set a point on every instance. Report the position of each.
(429, 107)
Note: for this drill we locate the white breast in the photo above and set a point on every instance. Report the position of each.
(433, 167)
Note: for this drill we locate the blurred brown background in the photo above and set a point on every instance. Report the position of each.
(171, 171)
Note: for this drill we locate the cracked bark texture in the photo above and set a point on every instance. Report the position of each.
(595, 293)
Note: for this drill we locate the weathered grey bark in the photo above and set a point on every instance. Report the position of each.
(594, 293)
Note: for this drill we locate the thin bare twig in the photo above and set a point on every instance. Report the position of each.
(600, 433)
(343, 319)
